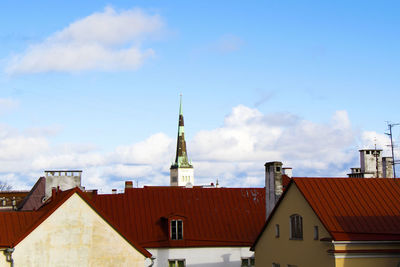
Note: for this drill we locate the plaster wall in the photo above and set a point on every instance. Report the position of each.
(75, 235)
(65, 182)
(366, 259)
(184, 176)
(205, 257)
(387, 261)
(281, 250)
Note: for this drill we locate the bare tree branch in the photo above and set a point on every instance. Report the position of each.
(4, 186)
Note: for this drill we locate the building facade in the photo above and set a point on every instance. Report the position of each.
(337, 222)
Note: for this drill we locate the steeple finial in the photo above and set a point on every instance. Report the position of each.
(180, 105)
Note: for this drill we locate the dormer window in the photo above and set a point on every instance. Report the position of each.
(176, 229)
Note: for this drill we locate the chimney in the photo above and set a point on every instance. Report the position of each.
(288, 171)
(53, 192)
(114, 191)
(273, 184)
(128, 184)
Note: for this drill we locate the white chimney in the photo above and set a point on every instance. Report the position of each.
(288, 171)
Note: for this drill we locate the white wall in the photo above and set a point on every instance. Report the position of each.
(205, 257)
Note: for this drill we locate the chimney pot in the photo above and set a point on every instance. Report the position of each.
(53, 192)
(128, 184)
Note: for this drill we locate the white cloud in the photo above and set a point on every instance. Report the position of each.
(249, 138)
(234, 153)
(107, 41)
(228, 43)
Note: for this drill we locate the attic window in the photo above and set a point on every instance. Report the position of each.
(278, 169)
(296, 227)
(316, 234)
(176, 229)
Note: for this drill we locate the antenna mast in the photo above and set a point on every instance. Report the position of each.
(390, 125)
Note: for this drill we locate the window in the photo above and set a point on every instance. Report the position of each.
(176, 229)
(176, 263)
(277, 230)
(316, 234)
(296, 227)
(278, 169)
(250, 262)
(291, 265)
(276, 264)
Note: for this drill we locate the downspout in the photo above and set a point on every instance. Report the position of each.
(152, 261)
(8, 252)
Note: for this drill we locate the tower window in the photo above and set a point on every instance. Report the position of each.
(176, 229)
(296, 227)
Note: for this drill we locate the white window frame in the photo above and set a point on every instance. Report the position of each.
(178, 235)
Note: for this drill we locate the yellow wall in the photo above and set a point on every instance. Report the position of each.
(309, 252)
(366, 260)
(75, 235)
(303, 253)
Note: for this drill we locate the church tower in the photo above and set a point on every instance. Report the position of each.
(181, 171)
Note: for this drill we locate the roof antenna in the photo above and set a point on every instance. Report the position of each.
(376, 154)
(394, 162)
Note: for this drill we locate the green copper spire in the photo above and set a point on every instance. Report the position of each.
(181, 160)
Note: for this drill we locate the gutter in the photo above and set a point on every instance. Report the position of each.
(8, 253)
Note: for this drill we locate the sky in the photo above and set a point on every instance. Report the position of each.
(95, 86)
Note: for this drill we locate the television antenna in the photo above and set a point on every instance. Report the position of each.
(390, 134)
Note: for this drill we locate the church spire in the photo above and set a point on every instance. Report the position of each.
(181, 169)
(181, 159)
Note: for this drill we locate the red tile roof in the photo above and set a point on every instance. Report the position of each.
(16, 225)
(355, 208)
(211, 216)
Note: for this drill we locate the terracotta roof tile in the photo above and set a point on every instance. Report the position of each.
(16, 225)
(212, 216)
(355, 208)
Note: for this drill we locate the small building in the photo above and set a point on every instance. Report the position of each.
(66, 231)
(373, 165)
(337, 222)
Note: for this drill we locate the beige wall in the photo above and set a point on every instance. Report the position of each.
(303, 253)
(74, 235)
(366, 260)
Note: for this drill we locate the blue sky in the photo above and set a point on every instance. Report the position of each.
(96, 85)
